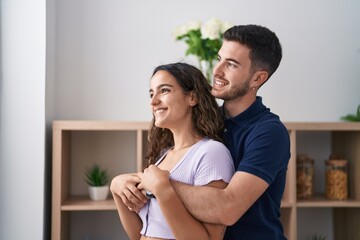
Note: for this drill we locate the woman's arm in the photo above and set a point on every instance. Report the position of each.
(125, 186)
(181, 222)
(130, 220)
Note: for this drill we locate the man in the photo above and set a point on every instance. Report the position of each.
(257, 139)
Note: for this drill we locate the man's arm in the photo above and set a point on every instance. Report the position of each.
(183, 225)
(225, 206)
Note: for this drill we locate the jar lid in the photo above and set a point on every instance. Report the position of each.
(336, 162)
(303, 158)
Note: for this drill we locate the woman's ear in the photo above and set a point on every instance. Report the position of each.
(193, 99)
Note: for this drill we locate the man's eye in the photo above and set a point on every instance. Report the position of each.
(151, 95)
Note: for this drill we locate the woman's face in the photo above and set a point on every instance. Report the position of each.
(170, 106)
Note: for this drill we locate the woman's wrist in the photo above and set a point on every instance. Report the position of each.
(163, 190)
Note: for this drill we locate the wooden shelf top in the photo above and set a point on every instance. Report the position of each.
(286, 204)
(143, 125)
(100, 125)
(319, 201)
(83, 203)
(323, 126)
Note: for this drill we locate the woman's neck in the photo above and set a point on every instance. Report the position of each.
(185, 139)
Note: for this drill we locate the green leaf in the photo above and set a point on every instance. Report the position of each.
(203, 49)
(352, 117)
(95, 176)
(316, 237)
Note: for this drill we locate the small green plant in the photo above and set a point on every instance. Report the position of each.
(352, 117)
(95, 176)
(316, 237)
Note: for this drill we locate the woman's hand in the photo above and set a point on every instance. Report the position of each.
(154, 179)
(125, 186)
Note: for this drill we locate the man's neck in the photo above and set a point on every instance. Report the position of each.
(235, 107)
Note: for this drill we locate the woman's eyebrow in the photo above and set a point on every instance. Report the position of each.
(160, 86)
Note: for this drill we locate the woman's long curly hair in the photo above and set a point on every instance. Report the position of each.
(206, 116)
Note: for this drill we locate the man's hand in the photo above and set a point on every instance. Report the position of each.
(125, 186)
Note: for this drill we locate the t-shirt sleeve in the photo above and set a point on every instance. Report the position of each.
(215, 163)
(266, 152)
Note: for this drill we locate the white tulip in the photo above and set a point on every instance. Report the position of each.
(226, 26)
(180, 31)
(212, 29)
(193, 25)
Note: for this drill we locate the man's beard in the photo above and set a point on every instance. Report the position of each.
(237, 91)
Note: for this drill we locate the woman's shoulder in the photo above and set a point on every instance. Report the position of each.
(212, 145)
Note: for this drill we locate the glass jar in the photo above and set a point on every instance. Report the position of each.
(336, 172)
(304, 177)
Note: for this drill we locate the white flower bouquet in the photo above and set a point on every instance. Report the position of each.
(203, 40)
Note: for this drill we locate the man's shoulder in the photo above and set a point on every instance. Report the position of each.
(271, 126)
(269, 120)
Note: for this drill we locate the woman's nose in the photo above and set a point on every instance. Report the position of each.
(154, 100)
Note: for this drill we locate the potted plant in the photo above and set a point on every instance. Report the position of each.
(97, 180)
(316, 237)
(353, 117)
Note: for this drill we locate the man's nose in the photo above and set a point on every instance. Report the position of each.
(218, 69)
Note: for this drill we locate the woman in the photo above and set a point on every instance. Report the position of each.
(184, 145)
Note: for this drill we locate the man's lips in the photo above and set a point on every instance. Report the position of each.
(220, 82)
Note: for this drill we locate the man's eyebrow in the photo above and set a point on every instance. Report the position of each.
(231, 60)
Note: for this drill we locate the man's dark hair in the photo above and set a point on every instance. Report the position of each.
(264, 45)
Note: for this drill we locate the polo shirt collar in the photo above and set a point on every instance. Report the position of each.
(255, 109)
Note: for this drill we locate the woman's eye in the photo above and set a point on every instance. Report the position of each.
(165, 90)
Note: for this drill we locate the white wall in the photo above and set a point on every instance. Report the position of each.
(22, 128)
(100, 55)
(106, 51)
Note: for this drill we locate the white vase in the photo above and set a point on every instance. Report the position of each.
(98, 193)
(207, 68)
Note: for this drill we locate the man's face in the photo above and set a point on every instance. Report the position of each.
(232, 74)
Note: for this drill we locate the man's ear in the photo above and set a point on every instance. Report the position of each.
(193, 99)
(259, 78)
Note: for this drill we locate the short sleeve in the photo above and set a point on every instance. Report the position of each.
(215, 163)
(266, 152)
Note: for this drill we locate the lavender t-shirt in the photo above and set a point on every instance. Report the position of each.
(206, 161)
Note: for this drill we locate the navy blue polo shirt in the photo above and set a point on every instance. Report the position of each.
(259, 144)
